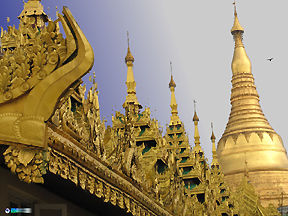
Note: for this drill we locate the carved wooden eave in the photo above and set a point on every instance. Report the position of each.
(70, 160)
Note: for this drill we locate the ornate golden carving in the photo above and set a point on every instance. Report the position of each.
(29, 164)
(40, 67)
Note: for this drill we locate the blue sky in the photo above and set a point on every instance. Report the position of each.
(195, 36)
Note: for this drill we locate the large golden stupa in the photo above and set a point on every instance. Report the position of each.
(248, 137)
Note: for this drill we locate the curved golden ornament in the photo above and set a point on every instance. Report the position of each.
(23, 119)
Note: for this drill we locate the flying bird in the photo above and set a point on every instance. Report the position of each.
(270, 59)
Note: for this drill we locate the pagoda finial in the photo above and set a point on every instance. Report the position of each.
(236, 27)
(235, 12)
(131, 97)
(172, 83)
(129, 59)
(195, 117)
(215, 162)
(212, 136)
(173, 104)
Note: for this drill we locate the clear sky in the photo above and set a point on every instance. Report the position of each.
(195, 36)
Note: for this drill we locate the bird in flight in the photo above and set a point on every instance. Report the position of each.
(270, 59)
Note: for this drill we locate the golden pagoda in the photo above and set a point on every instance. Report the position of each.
(249, 135)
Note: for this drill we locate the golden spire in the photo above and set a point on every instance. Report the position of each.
(215, 162)
(131, 97)
(247, 129)
(197, 148)
(174, 117)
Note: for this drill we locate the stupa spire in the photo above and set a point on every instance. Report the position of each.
(173, 104)
(131, 98)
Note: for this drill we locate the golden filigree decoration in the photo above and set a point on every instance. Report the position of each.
(35, 56)
(29, 164)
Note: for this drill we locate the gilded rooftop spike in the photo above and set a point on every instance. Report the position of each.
(197, 147)
(173, 104)
(215, 162)
(131, 97)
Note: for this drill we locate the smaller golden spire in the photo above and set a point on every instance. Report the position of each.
(197, 148)
(173, 104)
(131, 97)
(215, 162)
